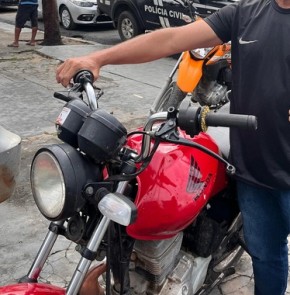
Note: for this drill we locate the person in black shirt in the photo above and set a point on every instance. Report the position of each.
(259, 34)
(27, 10)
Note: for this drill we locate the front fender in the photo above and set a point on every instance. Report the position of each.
(31, 289)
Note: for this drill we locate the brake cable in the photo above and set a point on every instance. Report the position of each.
(168, 133)
(128, 177)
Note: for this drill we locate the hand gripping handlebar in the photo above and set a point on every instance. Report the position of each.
(83, 80)
(83, 76)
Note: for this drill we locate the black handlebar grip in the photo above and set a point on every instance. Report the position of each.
(61, 96)
(83, 76)
(231, 120)
(66, 95)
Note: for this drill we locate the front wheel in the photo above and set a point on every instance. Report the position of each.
(128, 26)
(172, 97)
(226, 257)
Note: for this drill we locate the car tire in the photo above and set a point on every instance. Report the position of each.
(66, 19)
(128, 26)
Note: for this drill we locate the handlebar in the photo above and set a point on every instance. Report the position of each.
(86, 79)
(83, 82)
(193, 119)
(64, 96)
(190, 118)
(83, 77)
(231, 120)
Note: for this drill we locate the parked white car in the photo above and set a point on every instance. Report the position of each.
(74, 12)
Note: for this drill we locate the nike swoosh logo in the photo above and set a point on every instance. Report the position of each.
(241, 41)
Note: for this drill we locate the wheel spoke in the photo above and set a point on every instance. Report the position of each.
(127, 28)
(65, 18)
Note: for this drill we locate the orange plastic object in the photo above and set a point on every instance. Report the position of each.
(189, 73)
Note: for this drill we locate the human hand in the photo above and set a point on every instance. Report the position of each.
(67, 70)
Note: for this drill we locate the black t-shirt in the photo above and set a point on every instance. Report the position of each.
(259, 31)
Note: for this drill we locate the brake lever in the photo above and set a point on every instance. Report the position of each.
(167, 130)
(70, 94)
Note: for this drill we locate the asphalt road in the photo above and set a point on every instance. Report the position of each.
(100, 33)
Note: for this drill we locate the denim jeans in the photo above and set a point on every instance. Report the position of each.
(266, 217)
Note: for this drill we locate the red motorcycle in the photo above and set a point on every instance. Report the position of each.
(155, 207)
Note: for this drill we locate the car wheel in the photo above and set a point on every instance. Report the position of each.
(66, 19)
(128, 26)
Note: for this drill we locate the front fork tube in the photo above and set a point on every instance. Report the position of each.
(43, 253)
(92, 247)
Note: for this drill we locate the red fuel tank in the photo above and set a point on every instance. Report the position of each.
(175, 187)
(31, 289)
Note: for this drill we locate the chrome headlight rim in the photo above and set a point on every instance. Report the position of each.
(49, 204)
(71, 165)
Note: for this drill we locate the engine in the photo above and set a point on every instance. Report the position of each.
(179, 265)
(161, 267)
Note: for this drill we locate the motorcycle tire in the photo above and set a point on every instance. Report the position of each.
(226, 258)
(172, 97)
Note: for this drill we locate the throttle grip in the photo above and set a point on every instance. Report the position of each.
(83, 76)
(194, 119)
(231, 120)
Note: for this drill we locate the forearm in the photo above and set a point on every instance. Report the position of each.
(141, 49)
(160, 43)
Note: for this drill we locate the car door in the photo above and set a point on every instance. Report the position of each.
(165, 13)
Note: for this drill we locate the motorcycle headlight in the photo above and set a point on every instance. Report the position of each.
(201, 53)
(58, 176)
